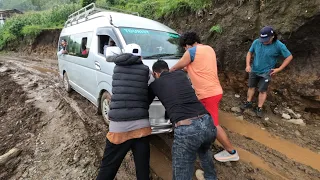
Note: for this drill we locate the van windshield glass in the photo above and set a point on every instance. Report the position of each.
(154, 44)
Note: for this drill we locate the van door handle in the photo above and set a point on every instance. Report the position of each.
(97, 64)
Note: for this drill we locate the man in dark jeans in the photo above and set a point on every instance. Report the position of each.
(194, 130)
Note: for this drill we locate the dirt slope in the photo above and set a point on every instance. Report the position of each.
(297, 24)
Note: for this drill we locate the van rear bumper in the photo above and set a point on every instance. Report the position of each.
(158, 121)
(161, 128)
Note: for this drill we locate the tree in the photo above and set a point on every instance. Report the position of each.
(111, 2)
(38, 4)
(86, 2)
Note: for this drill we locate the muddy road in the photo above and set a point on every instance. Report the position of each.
(61, 136)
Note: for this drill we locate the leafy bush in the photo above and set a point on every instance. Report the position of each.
(157, 8)
(32, 23)
(31, 31)
(86, 2)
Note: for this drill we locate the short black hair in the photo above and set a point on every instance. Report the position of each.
(160, 66)
(275, 37)
(189, 38)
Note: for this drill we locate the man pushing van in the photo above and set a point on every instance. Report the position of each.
(129, 116)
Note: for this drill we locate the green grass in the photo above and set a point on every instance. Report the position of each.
(216, 28)
(155, 9)
(32, 24)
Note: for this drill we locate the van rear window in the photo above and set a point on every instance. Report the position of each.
(153, 43)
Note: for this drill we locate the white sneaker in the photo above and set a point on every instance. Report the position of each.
(200, 174)
(225, 156)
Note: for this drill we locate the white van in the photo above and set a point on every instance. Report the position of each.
(89, 31)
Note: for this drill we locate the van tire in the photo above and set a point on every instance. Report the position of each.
(105, 106)
(66, 83)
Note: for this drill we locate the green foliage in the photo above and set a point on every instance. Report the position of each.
(31, 31)
(155, 9)
(38, 4)
(216, 28)
(28, 5)
(32, 23)
(86, 2)
(111, 2)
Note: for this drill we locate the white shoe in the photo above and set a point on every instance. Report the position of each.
(200, 174)
(225, 156)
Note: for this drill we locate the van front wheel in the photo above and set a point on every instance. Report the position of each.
(105, 106)
(66, 83)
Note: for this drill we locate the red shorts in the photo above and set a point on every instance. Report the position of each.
(212, 106)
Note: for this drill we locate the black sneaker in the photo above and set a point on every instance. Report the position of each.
(246, 105)
(259, 112)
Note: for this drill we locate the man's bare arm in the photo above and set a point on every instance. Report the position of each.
(285, 63)
(248, 60)
(183, 62)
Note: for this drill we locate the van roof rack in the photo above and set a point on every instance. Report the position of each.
(90, 10)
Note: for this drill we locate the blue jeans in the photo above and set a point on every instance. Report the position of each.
(189, 141)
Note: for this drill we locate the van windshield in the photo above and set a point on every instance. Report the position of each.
(154, 44)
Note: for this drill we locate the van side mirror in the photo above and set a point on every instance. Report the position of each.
(111, 51)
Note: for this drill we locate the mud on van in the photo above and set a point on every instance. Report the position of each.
(82, 59)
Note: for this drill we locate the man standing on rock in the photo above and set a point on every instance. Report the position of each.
(266, 50)
(194, 130)
(201, 63)
(129, 116)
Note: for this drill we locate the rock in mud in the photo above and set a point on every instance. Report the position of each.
(297, 121)
(249, 112)
(236, 109)
(276, 111)
(286, 116)
(200, 174)
(4, 69)
(9, 155)
(297, 116)
(297, 133)
(293, 114)
(266, 119)
(240, 117)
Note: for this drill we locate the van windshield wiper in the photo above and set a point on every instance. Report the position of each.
(157, 56)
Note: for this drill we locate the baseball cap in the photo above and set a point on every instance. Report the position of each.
(133, 49)
(266, 34)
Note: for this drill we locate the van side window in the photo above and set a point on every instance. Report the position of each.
(79, 44)
(84, 49)
(105, 42)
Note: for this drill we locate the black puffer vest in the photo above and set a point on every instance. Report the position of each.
(129, 99)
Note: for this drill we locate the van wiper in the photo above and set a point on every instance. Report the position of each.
(157, 56)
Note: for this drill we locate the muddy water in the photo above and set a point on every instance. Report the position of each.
(289, 149)
(44, 70)
(256, 161)
(160, 164)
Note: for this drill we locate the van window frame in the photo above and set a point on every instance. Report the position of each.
(108, 31)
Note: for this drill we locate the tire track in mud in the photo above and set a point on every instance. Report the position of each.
(68, 119)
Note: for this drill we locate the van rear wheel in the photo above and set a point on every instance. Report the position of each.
(105, 106)
(66, 83)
